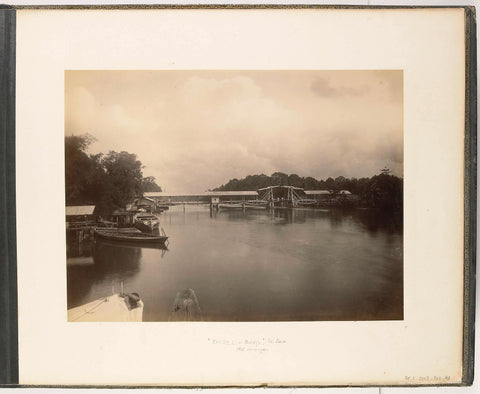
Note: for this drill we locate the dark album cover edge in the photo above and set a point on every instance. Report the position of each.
(470, 198)
(8, 265)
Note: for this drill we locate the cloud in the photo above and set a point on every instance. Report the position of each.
(392, 80)
(195, 130)
(79, 106)
(214, 91)
(324, 88)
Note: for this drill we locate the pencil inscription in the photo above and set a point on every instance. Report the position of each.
(259, 345)
(434, 378)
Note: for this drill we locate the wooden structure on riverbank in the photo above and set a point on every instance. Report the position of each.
(201, 198)
(284, 197)
(79, 221)
(273, 197)
(79, 216)
(214, 198)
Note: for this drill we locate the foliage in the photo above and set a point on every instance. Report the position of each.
(383, 191)
(108, 181)
(81, 172)
(124, 174)
(149, 185)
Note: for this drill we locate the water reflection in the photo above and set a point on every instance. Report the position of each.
(109, 264)
(186, 307)
(77, 248)
(252, 265)
(375, 221)
(370, 220)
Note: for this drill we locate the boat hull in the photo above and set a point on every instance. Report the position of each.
(230, 206)
(147, 223)
(130, 237)
(144, 227)
(128, 244)
(243, 206)
(115, 308)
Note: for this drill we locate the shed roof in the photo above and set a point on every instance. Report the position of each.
(345, 192)
(148, 199)
(74, 210)
(234, 193)
(280, 186)
(203, 194)
(144, 197)
(316, 192)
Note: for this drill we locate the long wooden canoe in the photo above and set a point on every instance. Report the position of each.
(247, 205)
(230, 206)
(122, 236)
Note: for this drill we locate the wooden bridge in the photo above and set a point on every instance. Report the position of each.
(285, 197)
(201, 198)
(272, 196)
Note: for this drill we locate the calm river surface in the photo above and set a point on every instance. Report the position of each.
(255, 266)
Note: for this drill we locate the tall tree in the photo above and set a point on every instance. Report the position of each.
(81, 171)
(385, 191)
(149, 185)
(108, 181)
(124, 171)
(280, 178)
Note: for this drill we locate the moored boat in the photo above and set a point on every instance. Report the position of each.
(146, 222)
(162, 246)
(115, 308)
(231, 206)
(123, 236)
(105, 224)
(244, 205)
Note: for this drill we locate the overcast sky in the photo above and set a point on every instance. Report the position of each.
(195, 130)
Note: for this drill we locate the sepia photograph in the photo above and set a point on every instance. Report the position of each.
(265, 197)
(223, 195)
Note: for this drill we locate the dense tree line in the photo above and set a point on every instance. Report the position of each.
(383, 190)
(108, 181)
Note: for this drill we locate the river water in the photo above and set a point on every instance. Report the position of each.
(289, 265)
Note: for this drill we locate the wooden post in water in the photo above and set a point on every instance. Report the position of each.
(214, 202)
(80, 236)
(272, 204)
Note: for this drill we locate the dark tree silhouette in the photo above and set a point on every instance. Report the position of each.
(383, 191)
(108, 181)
